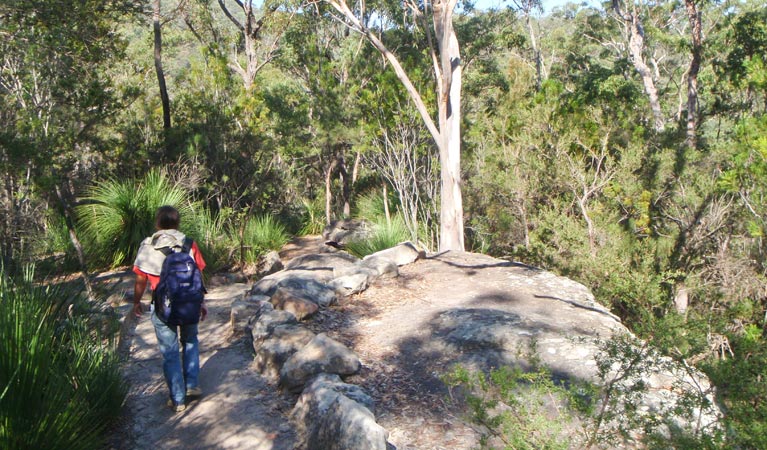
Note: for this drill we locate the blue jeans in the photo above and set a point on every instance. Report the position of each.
(181, 370)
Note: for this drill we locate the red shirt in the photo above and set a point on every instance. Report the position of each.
(155, 279)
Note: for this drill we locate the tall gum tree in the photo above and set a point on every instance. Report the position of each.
(446, 132)
(628, 14)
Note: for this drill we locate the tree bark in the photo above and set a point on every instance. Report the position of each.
(696, 31)
(66, 212)
(636, 49)
(451, 205)
(446, 135)
(158, 65)
(328, 190)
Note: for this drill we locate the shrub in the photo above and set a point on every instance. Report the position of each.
(383, 235)
(510, 406)
(370, 206)
(60, 386)
(313, 220)
(209, 231)
(259, 235)
(740, 384)
(120, 214)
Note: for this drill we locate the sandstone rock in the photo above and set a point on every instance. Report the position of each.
(322, 261)
(342, 231)
(370, 273)
(382, 265)
(243, 310)
(485, 338)
(336, 415)
(269, 263)
(294, 302)
(264, 324)
(310, 282)
(402, 254)
(350, 284)
(273, 350)
(322, 354)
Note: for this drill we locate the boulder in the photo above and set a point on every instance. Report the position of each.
(381, 265)
(311, 283)
(274, 349)
(294, 301)
(402, 254)
(269, 264)
(336, 415)
(322, 261)
(370, 273)
(263, 324)
(351, 284)
(322, 354)
(342, 231)
(243, 310)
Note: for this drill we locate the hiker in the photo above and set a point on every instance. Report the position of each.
(181, 371)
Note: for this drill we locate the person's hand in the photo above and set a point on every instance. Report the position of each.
(138, 310)
(203, 312)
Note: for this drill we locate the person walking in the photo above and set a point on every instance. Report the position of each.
(179, 345)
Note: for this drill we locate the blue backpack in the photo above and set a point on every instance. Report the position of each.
(180, 292)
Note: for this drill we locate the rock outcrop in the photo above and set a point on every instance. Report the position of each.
(499, 313)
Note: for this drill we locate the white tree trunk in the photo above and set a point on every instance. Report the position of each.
(636, 52)
(447, 135)
(451, 205)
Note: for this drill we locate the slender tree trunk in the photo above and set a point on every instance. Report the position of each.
(252, 27)
(328, 190)
(696, 30)
(386, 204)
(356, 169)
(158, 65)
(636, 52)
(346, 187)
(447, 135)
(66, 211)
(451, 205)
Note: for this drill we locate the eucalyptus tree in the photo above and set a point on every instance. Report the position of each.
(56, 93)
(628, 12)
(261, 26)
(157, 31)
(435, 21)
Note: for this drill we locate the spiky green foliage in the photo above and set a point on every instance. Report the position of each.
(209, 231)
(60, 386)
(384, 234)
(313, 216)
(259, 235)
(370, 205)
(120, 214)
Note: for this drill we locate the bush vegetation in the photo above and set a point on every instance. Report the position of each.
(257, 236)
(60, 384)
(656, 204)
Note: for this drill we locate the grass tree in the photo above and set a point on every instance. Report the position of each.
(120, 214)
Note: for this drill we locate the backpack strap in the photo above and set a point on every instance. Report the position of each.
(186, 247)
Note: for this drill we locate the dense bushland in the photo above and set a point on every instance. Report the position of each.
(635, 166)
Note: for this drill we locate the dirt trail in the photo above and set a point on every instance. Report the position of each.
(239, 408)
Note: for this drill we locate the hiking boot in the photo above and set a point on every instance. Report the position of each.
(194, 391)
(176, 407)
